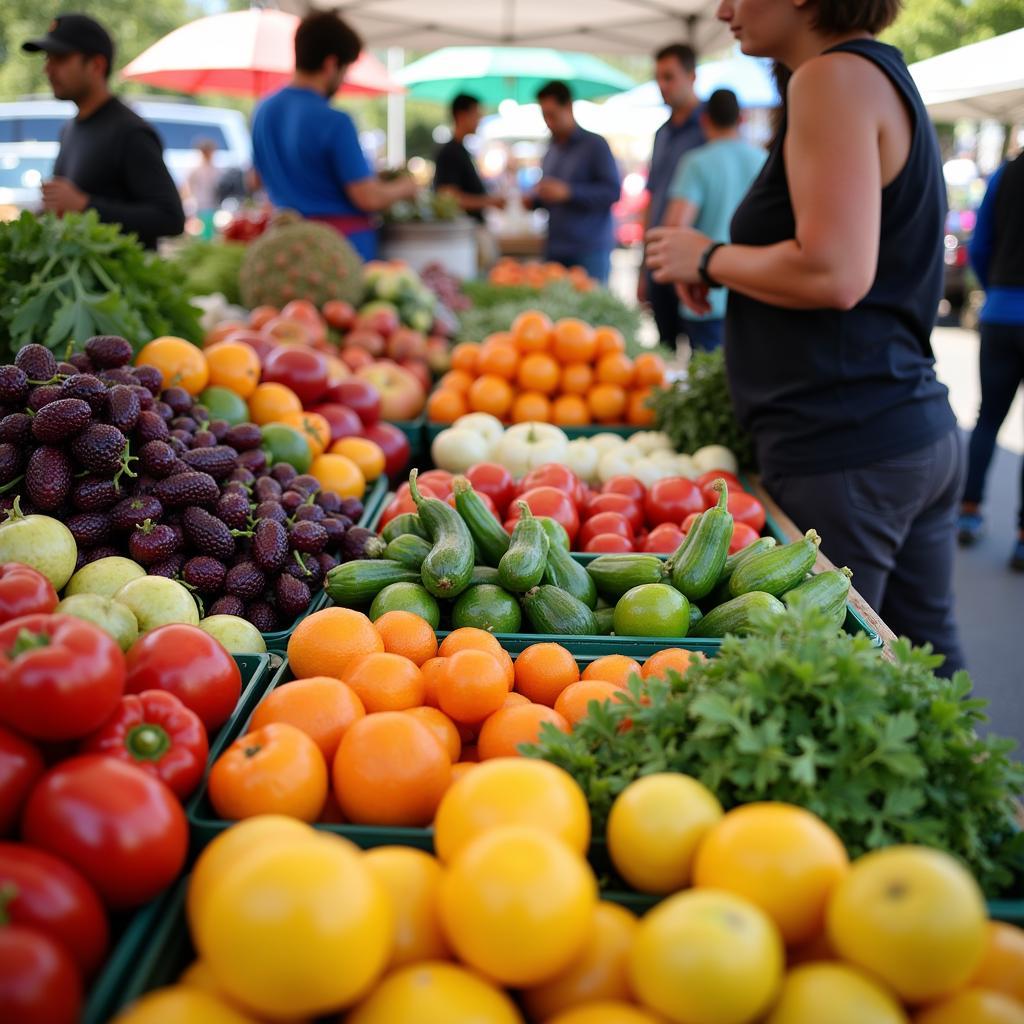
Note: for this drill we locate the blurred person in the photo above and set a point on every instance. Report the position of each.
(455, 172)
(110, 159)
(675, 71)
(709, 183)
(579, 185)
(307, 154)
(835, 273)
(997, 257)
(202, 187)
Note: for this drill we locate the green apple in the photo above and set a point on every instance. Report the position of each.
(158, 601)
(111, 616)
(105, 576)
(40, 541)
(238, 635)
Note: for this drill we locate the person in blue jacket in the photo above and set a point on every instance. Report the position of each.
(997, 257)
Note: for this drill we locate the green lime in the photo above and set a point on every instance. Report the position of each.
(555, 531)
(224, 404)
(285, 444)
(489, 607)
(652, 609)
(406, 597)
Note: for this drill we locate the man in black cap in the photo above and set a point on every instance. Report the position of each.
(110, 159)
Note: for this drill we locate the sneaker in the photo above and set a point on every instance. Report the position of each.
(970, 526)
(1017, 558)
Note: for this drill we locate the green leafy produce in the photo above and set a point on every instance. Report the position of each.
(884, 751)
(699, 410)
(211, 267)
(65, 279)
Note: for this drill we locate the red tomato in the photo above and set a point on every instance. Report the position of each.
(343, 421)
(627, 485)
(690, 520)
(394, 444)
(613, 542)
(554, 474)
(38, 980)
(402, 502)
(549, 501)
(605, 522)
(612, 502)
(664, 539)
(21, 764)
(438, 480)
(54, 898)
(742, 536)
(59, 677)
(494, 480)
(671, 500)
(122, 828)
(24, 591)
(192, 665)
(304, 370)
(745, 508)
(486, 499)
(719, 474)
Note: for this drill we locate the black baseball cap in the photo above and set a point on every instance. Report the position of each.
(73, 33)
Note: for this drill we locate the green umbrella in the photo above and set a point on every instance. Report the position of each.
(496, 73)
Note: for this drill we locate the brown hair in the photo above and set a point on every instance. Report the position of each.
(324, 35)
(682, 53)
(838, 16)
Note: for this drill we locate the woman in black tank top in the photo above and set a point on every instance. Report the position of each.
(835, 275)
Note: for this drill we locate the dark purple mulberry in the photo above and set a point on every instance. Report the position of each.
(329, 501)
(233, 508)
(255, 459)
(95, 494)
(123, 408)
(309, 513)
(89, 528)
(12, 461)
(284, 473)
(144, 395)
(218, 461)
(269, 545)
(14, 385)
(37, 361)
(227, 605)
(61, 420)
(40, 397)
(170, 566)
(100, 448)
(88, 388)
(203, 439)
(16, 428)
(244, 436)
(130, 513)
(103, 551)
(204, 573)
(158, 459)
(292, 597)
(178, 399)
(309, 538)
(266, 489)
(244, 580)
(291, 501)
(151, 427)
(150, 378)
(108, 351)
(270, 510)
(152, 542)
(208, 534)
(81, 362)
(263, 616)
(183, 489)
(48, 478)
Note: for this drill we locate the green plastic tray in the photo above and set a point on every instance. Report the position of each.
(416, 434)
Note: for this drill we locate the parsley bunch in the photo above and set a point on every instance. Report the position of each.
(884, 751)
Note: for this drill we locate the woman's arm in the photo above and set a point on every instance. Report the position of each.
(681, 213)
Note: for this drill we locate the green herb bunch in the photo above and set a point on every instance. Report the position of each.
(65, 279)
(698, 410)
(884, 751)
(211, 267)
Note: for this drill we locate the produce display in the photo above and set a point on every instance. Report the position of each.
(534, 275)
(212, 267)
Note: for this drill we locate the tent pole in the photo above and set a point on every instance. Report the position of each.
(396, 111)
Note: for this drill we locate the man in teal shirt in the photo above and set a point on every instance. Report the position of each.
(710, 181)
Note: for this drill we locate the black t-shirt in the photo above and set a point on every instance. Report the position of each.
(455, 168)
(116, 158)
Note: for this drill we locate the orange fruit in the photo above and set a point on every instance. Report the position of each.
(456, 380)
(638, 413)
(490, 394)
(510, 669)
(674, 658)
(576, 379)
(574, 701)
(313, 427)
(573, 341)
(472, 686)
(234, 366)
(532, 331)
(442, 727)
(432, 671)
(530, 406)
(469, 638)
(326, 642)
(181, 364)
(648, 370)
(554, 271)
(322, 707)
(973, 1006)
(538, 372)
(390, 770)
(612, 668)
(515, 700)
(499, 358)
(386, 682)
(1002, 967)
(460, 768)
(408, 635)
(615, 368)
(543, 671)
(340, 474)
(501, 338)
(607, 403)
(366, 454)
(570, 411)
(609, 339)
(270, 402)
(464, 357)
(504, 731)
(446, 405)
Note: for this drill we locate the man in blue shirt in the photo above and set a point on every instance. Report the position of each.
(579, 186)
(675, 71)
(308, 154)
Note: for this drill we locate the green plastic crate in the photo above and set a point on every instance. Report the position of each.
(416, 434)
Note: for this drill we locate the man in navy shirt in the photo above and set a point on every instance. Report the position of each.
(675, 70)
(308, 154)
(579, 186)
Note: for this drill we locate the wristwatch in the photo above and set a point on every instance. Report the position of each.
(702, 267)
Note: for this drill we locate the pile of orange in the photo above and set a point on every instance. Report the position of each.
(533, 274)
(567, 373)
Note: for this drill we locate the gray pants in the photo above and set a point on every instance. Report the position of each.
(893, 523)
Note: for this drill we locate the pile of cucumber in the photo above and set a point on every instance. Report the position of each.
(458, 567)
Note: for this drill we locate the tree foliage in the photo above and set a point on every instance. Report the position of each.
(929, 27)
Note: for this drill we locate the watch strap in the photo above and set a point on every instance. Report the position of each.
(702, 268)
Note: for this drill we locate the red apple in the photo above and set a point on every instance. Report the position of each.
(304, 370)
(402, 396)
(366, 338)
(355, 358)
(419, 369)
(222, 330)
(260, 343)
(360, 396)
(383, 319)
(286, 331)
(406, 343)
(343, 421)
(339, 315)
(261, 316)
(394, 444)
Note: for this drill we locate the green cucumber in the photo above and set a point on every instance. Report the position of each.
(406, 597)
(448, 567)
(740, 614)
(604, 620)
(776, 571)
(827, 591)
(407, 522)
(483, 574)
(522, 567)
(408, 549)
(487, 607)
(550, 610)
(613, 575)
(557, 537)
(356, 583)
(734, 561)
(695, 616)
(701, 559)
(564, 571)
(489, 535)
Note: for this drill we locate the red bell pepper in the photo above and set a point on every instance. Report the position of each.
(156, 732)
(24, 591)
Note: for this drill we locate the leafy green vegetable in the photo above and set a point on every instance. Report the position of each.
(698, 410)
(884, 751)
(65, 279)
(211, 267)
